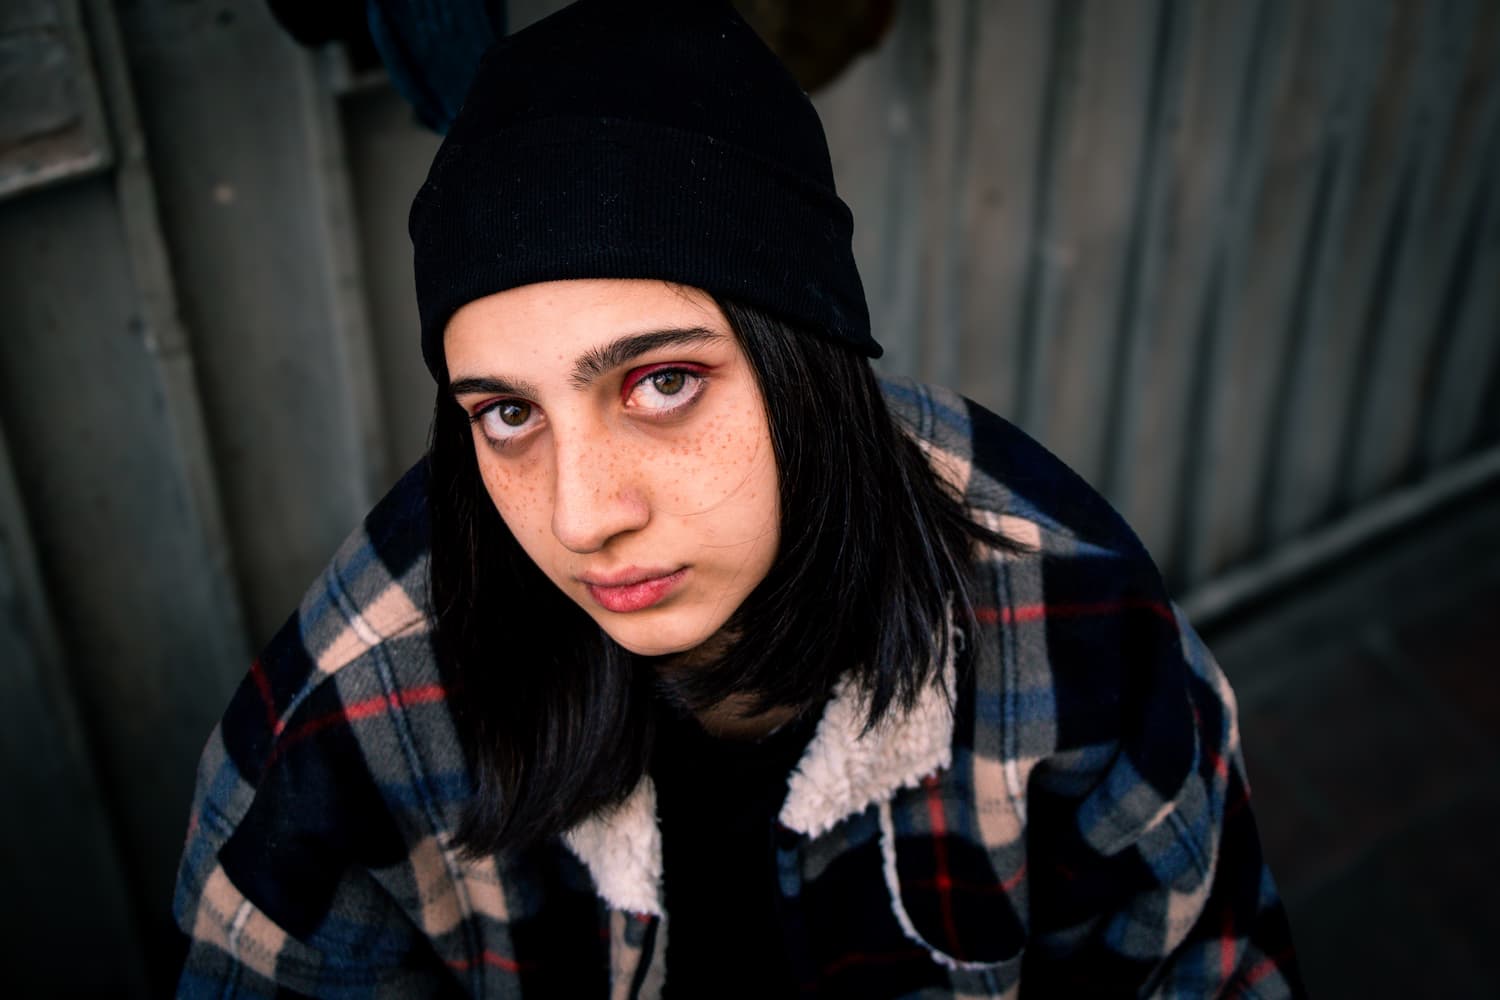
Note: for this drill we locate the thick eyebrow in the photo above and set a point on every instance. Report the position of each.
(607, 357)
(590, 365)
(492, 385)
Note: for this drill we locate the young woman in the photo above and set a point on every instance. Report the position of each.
(692, 660)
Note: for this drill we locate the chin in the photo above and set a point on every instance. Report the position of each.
(646, 638)
(652, 645)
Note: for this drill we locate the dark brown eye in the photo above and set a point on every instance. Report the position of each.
(669, 383)
(513, 414)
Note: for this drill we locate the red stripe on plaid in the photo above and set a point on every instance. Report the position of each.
(263, 685)
(939, 820)
(1220, 763)
(1264, 968)
(1228, 953)
(843, 962)
(1039, 612)
(972, 888)
(491, 958)
(360, 710)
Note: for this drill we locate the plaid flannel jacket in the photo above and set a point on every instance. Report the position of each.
(1078, 825)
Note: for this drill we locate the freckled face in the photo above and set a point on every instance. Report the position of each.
(621, 435)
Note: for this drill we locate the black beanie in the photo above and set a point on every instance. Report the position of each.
(648, 139)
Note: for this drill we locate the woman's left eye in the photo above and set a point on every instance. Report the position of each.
(665, 390)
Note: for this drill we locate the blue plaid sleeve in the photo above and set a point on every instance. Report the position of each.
(1148, 877)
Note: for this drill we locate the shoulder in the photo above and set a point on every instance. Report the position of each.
(1008, 480)
(366, 611)
(1095, 751)
(335, 774)
(1082, 659)
(339, 728)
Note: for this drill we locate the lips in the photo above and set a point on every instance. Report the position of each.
(632, 590)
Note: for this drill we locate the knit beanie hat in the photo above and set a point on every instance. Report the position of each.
(648, 139)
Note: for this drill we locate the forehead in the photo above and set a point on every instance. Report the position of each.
(557, 320)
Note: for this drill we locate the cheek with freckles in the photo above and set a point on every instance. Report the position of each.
(519, 494)
(721, 469)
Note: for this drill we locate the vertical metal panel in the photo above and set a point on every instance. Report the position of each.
(350, 341)
(224, 93)
(61, 860)
(1355, 291)
(1145, 247)
(1197, 248)
(1300, 476)
(1106, 54)
(1463, 204)
(1471, 310)
(878, 125)
(1200, 134)
(389, 153)
(1286, 203)
(1223, 294)
(996, 203)
(1386, 438)
(947, 169)
(115, 520)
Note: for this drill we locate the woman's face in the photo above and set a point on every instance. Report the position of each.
(620, 433)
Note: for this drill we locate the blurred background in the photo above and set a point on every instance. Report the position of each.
(1235, 261)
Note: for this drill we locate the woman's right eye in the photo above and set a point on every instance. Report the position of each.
(505, 420)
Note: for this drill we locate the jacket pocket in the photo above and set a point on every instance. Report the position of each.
(945, 892)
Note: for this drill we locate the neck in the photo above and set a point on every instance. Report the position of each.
(736, 717)
(732, 719)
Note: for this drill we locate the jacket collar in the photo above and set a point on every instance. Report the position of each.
(842, 772)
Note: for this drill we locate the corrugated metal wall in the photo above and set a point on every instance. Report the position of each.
(1238, 263)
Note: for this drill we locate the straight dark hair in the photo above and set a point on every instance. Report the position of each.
(556, 718)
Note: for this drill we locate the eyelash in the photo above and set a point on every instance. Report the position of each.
(696, 376)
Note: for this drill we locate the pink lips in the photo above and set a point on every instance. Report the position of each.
(632, 590)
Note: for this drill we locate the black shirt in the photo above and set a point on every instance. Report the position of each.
(717, 802)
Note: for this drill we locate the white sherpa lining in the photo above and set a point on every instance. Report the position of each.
(622, 849)
(845, 769)
(842, 772)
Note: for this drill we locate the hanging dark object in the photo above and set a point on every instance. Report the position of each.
(430, 48)
(817, 41)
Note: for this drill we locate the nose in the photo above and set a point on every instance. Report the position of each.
(594, 497)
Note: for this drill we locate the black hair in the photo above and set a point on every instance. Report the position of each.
(556, 718)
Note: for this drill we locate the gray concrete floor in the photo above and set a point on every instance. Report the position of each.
(1370, 718)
